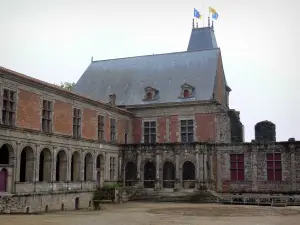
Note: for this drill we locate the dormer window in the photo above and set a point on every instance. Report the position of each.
(187, 91)
(186, 94)
(151, 94)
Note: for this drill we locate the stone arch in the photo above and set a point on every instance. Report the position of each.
(169, 173)
(88, 167)
(100, 169)
(7, 154)
(45, 166)
(130, 173)
(188, 174)
(189, 158)
(149, 174)
(75, 166)
(3, 180)
(27, 164)
(61, 166)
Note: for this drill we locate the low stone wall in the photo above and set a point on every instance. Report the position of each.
(40, 203)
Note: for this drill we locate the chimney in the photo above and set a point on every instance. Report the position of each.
(112, 100)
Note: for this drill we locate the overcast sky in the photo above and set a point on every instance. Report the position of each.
(53, 40)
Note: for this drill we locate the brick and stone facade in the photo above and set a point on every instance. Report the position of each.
(57, 146)
(36, 162)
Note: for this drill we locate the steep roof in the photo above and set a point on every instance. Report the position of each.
(127, 78)
(202, 39)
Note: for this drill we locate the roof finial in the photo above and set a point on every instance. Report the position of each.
(208, 21)
(92, 59)
(193, 23)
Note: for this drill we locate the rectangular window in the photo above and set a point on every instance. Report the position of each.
(187, 130)
(112, 129)
(150, 132)
(9, 107)
(76, 123)
(47, 116)
(100, 128)
(112, 168)
(237, 168)
(274, 170)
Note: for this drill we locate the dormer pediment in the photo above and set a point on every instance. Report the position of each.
(150, 93)
(187, 91)
(187, 86)
(148, 88)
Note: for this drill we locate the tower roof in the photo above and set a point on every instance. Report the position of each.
(202, 39)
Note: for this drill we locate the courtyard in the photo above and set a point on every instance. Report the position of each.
(164, 214)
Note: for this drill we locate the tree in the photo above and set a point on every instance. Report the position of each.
(67, 85)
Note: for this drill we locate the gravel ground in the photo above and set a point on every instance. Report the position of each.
(164, 214)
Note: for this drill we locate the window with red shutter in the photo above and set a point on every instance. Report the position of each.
(274, 169)
(237, 168)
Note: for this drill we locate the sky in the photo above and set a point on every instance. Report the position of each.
(55, 40)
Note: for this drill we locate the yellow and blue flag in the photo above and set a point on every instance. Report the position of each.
(214, 13)
(197, 14)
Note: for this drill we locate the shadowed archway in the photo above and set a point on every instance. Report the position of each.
(61, 166)
(88, 167)
(188, 175)
(130, 174)
(75, 167)
(149, 175)
(169, 175)
(27, 165)
(45, 165)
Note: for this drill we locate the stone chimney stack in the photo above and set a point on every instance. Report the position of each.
(112, 100)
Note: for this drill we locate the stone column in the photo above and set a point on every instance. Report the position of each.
(53, 164)
(201, 168)
(197, 186)
(293, 168)
(36, 164)
(254, 168)
(69, 160)
(178, 181)
(17, 162)
(120, 168)
(205, 166)
(81, 165)
(94, 167)
(138, 166)
(157, 181)
(219, 171)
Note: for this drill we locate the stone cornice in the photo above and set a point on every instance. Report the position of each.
(33, 82)
(171, 104)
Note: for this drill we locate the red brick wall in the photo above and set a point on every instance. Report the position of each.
(62, 118)
(137, 130)
(107, 128)
(205, 130)
(89, 124)
(121, 130)
(162, 129)
(173, 128)
(29, 110)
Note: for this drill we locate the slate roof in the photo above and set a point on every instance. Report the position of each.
(202, 39)
(127, 78)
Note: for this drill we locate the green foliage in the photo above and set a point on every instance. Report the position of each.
(105, 193)
(67, 85)
(112, 186)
